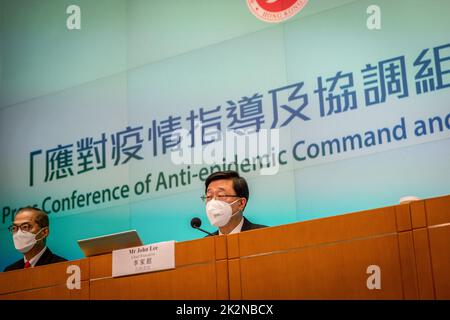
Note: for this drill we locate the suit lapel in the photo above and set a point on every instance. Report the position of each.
(246, 225)
(20, 264)
(45, 258)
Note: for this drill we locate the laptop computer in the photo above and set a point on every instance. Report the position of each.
(110, 242)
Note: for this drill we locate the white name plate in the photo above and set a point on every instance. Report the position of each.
(148, 258)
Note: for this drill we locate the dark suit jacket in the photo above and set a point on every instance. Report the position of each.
(247, 225)
(47, 258)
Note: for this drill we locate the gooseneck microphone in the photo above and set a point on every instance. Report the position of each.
(196, 223)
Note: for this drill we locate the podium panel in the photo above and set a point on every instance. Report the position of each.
(352, 256)
(397, 252)
(200, 273)
(190, 282)
(44, 282)
(438, 220)
(59, 292)
(439, 238)
(329, 271)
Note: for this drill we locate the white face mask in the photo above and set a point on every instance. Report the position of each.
(25, 241)
(219, 212)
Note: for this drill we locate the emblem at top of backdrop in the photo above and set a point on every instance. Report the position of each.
(274, 11)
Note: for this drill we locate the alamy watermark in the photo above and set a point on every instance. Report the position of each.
(258, 148)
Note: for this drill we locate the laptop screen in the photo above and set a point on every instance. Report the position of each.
(108, 243)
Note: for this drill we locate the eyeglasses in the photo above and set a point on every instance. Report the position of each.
(26, 227)
(208, 197)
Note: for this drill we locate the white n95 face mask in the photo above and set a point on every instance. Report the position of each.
(24, 241)
(219, 212)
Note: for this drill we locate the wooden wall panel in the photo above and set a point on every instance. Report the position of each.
(438, 210)
(59, 292)
(408, 265)
(234, 277)
(334, 271)
(423, 264)
(223, 291)
(189, 282)
(403, 217)
(439, 238)
(318, 259)
(313, 232)
(40, 277)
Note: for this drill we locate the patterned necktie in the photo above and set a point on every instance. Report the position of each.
(27, 265)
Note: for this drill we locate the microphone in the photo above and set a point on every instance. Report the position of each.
(196, 223)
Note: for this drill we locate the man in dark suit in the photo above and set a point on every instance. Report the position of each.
(226, 195)
(30, 231)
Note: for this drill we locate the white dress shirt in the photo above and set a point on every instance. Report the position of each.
(237, 229)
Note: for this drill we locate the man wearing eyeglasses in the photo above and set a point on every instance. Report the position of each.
(29, 231)
(226, 195)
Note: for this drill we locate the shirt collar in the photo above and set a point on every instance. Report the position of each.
(36, 258)
(237, 229)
